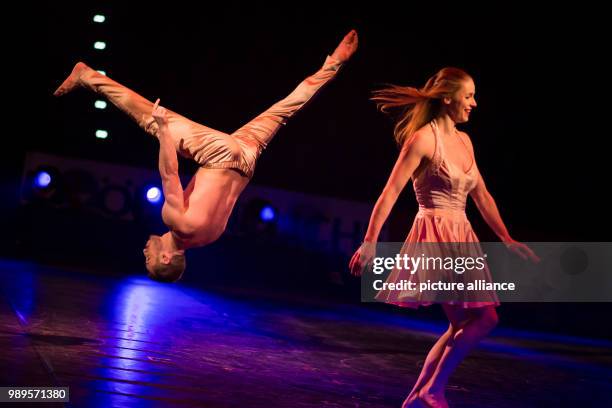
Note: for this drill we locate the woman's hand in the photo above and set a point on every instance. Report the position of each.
(522, 250)
(160, 114)
(362, 257)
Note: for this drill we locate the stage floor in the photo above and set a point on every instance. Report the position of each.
(131, 342)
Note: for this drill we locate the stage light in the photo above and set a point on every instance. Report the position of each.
(43, 184)
(99, 45)
(42, 179)
(80, 187)
(116, 200)
(154, 195)
(149, 198)
(100, 105)
(258, 217)
(102, 72)
(99, 18)
(267, 214)
(101, 134)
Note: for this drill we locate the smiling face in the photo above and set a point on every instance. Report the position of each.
(460, 105)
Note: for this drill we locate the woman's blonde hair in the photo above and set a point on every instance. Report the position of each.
(418, 106)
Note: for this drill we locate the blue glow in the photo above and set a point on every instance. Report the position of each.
(144, 332)
(43, 179)
(154, 195)
(267, 214)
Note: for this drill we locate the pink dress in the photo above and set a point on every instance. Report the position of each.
(441, 189)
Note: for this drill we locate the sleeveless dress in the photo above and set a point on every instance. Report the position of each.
(441, 190)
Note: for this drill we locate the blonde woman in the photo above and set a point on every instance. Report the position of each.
(440, 161)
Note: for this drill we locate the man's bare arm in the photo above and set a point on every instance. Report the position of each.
(173, 211)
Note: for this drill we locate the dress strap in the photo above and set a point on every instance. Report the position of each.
(436, 160)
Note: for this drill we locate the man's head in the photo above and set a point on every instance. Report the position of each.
(164, 263)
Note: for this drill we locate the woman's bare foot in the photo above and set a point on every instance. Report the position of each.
(73, 80)
(414, 401)
(347, 47)
(433, 400)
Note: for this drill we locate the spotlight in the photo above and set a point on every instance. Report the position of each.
(100, 105)
(260, 218)
(43, 184)
(42, 179)
(115, 200)
(267, 214)
(101, 134)
(80, 187)
(99, 18)
(154, 195)
(45, 178)
(149, 198)
(99, 45)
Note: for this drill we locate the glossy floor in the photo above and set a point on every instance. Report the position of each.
(131, 342)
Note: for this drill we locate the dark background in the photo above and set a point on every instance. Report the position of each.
(537, 132)
(540, 129)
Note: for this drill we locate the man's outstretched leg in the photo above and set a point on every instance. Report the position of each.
(138, 108)
(255, 135)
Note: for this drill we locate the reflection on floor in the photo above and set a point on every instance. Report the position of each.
(136, 343)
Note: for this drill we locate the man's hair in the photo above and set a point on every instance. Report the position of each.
(171, 272)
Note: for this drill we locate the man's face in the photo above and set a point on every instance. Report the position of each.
(151, 251)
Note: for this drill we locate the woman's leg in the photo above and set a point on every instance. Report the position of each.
(481, 321)
(135, 106)
(457, 319)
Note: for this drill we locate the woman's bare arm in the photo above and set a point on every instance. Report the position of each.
(409, 159)
(419, 146)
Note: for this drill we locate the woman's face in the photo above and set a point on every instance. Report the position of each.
(462, 102)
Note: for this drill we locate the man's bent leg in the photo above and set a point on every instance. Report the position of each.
(139, 109)
(255, 135)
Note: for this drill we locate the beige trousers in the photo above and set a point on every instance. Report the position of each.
(209, 147)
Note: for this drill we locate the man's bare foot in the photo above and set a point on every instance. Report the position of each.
(347, 47)
(73, 80)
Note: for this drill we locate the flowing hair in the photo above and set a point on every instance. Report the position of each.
(418, 106)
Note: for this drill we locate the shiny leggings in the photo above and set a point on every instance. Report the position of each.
(209, 147)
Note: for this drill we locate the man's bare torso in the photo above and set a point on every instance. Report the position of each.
(209, 200)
